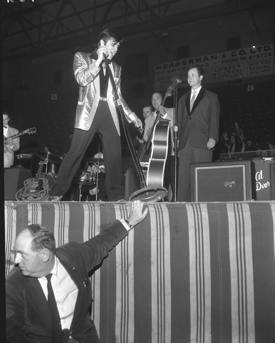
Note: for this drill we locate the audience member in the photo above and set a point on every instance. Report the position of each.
(235, 144)
(224, 142)
(238, 130)
(250, 146)
(48, 292)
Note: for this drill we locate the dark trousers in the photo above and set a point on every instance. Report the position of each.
(189, 155)
(103, 124)
(172, 177)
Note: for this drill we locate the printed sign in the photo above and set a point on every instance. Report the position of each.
(226, 66)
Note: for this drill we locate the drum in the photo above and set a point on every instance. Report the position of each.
(87, 178)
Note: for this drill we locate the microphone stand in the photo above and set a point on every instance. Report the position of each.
(149, 194)
(176, 128)
(124, 124)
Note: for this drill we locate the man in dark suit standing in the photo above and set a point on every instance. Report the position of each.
(48, 292)
(198, 121)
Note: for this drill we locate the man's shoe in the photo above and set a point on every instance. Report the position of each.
(55, 198)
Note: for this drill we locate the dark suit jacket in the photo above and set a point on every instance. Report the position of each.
(202, 123)
(27, 313)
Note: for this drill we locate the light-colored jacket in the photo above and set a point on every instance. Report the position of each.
(87, 75)
(9, 150)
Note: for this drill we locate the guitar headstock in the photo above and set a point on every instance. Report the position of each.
(31, 131)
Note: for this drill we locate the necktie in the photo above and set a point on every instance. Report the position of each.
(55, 319)
(192, 100)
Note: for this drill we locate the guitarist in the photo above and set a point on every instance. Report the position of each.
(10, 145)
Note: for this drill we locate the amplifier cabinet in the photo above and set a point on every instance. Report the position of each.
(222, 181)
(264, 179)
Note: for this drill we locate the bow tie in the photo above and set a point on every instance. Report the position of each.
(5, 126)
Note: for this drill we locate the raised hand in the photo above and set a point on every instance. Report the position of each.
(137, 212)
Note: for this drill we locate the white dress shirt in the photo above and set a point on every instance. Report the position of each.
(65, 290)
(196, 91)
(65, 293)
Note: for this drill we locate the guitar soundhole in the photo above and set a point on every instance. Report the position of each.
(40, 185)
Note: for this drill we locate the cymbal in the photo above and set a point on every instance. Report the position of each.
(52, 158)
(95, 160)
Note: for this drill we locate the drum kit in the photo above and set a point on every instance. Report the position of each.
(31, 160)
(89, 178)
(86, 178)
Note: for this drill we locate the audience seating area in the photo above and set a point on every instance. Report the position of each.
(252, 106)
(247, 155)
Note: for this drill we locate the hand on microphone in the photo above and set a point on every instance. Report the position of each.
(102, 53)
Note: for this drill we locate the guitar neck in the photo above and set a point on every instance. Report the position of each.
(29, 131)
(17, 135)
(39, 171)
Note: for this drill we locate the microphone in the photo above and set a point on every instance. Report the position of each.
(176, 79)
(106, 59)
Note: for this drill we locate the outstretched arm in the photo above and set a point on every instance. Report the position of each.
(98, 247)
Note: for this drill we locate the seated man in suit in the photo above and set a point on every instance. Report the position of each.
(49, 282)
(11, 145)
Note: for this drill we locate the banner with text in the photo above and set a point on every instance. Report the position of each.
(225, 66)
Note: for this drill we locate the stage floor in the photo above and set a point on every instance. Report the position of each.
(190, 272)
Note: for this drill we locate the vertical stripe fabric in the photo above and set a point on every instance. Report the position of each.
(124, 321)
(273, 217)
(242, 291)
(200, 273)
(160, 274)
(10, 235)
(91, 221)
(189, 273)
